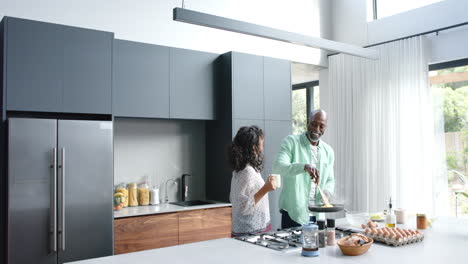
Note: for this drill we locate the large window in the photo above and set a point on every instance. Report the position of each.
(385, 8)
(305, 98)
(450, 94)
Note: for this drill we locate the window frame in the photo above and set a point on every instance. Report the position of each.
(309, 86)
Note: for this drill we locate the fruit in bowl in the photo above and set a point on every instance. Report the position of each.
(355, 244)
(356, 218)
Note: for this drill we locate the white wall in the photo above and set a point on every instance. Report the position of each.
(151, 21)
(350, 25)
(438, 15)
(162, 150)
(449, 45)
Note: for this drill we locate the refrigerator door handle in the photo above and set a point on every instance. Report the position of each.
(62, 200)
(53, 201)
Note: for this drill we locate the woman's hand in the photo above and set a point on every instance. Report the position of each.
(313, 172)
(270, 184)
(267, 187)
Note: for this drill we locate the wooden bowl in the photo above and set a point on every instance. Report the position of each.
(354, 250)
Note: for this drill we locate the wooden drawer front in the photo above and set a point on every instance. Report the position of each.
(145, 232)
(201, 225)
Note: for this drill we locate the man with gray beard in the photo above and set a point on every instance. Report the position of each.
(303, 162)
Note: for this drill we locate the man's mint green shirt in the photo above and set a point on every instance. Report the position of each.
(294, 154)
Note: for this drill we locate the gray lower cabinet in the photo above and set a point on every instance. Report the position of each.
(275, 132)
(141, 80)
(56, 68)
(247, 86)
(87, 83)
(277, 89)
(34, 65)
(192, 91)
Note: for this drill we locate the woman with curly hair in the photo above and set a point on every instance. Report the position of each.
(250, 207)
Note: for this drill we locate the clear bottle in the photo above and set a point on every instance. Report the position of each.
(132, 194)
(310, 241)
(321, 233)
(331, 232)
(390, 219)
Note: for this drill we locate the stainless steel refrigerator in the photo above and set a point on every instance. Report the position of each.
(60, 180)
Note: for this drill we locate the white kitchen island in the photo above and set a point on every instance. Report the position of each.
(446, 242)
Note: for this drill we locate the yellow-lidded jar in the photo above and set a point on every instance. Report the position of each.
(132, 194)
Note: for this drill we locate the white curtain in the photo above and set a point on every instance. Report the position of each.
(381, 126)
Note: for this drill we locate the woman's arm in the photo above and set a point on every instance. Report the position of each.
(267, 187)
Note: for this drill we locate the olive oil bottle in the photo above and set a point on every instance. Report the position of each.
(390, 220)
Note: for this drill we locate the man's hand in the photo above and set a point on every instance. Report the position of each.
(313, 172)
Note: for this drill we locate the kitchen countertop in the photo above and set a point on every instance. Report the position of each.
(445, 242)
(162, 209)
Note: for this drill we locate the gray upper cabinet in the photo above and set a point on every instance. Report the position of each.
(247, 86)
(87, 71)
(34, 65)
(55, 68)
(141, 80)
(238, 123)
(277, 89)
(192, 84)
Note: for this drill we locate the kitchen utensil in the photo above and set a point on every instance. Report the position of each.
(356, 218)
(324, 197)
(354, 250)
(320, 209)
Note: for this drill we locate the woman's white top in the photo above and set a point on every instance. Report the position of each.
(248, 217)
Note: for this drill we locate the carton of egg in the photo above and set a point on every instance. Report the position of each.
(394, 236)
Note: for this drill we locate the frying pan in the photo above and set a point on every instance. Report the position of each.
(318, 208)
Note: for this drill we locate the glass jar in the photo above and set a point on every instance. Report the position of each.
(122, 188)
(132, 194)
(321, 233)
(331, 232)
(143, 194)
(421, 221)
(310, 241)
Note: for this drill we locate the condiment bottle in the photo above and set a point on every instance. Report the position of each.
(312, 219)
(123, 189)
(390, 219)
(321, 233)
(154, 195)
(143, 194)
(310, 242)
(421, 221)
(132, 194)
(330, 232)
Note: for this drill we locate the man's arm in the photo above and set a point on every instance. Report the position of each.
(283, 164)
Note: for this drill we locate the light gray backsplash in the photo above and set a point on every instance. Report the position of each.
(161, 150)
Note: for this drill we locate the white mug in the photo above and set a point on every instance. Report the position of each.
(276, 180)
(400, 216)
